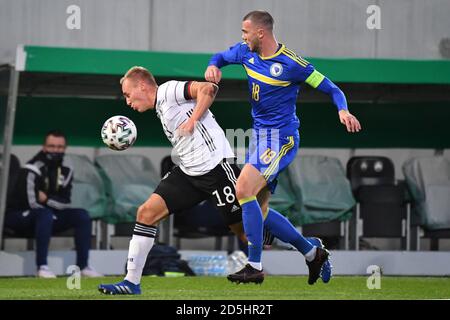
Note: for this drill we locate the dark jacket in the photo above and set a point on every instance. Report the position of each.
(41, 174)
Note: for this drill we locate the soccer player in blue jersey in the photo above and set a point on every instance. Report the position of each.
(274, 76)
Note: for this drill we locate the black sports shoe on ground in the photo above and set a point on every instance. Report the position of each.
(316, 265)
(246, 275)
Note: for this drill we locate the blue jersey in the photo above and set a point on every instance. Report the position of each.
(274, 83)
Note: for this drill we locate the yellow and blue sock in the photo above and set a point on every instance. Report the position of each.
(252, 219)
(283, 229)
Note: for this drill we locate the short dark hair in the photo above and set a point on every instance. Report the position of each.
(262, 18)
(56, 133)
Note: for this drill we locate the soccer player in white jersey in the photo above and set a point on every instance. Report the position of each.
(206, 164)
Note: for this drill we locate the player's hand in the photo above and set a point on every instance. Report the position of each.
(42, 197)
(187, 128)
(213, 74)
(349, 121)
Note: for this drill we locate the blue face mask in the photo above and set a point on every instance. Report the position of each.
(55, 158)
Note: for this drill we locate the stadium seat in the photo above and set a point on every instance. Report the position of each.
(129, 179)
(284, 201)
(428, 181)
(88, 189)
(89, 193)
(324, 200)
(382, 210)
(14, 169)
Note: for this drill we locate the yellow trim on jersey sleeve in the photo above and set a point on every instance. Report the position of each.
(276, 53)
(265, 79)
(315, 79)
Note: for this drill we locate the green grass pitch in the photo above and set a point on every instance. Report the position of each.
(218, 288)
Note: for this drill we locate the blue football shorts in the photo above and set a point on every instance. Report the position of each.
(271, 151)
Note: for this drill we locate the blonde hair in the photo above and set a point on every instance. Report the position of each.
(139, 73)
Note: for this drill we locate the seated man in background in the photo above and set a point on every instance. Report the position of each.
(40, 205)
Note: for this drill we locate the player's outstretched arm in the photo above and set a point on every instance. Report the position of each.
(204, 93)
(325, 85)
(221, 59)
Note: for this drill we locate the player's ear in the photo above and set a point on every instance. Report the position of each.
(141, 85)
(260, 33)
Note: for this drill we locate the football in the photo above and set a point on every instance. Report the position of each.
(119, 133)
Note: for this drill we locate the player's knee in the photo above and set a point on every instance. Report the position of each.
(147, 214)
(243, 191)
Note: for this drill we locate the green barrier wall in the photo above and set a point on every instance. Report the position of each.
(418, 125)
(192, 65)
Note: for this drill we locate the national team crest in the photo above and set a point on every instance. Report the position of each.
(276, 69)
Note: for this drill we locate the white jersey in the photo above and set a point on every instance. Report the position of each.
(206, 147)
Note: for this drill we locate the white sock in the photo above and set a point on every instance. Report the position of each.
(256, 265)
(311, 254)
(137, 255)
